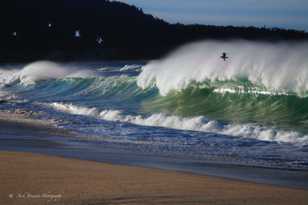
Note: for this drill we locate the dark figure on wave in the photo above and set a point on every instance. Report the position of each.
(224, 56)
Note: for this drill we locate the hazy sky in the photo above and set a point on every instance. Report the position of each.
(272, 13)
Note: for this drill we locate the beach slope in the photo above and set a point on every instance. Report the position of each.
(38, 179)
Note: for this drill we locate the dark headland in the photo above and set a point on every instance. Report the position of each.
(100, 29)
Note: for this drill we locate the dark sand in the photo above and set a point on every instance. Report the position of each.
(37, 179)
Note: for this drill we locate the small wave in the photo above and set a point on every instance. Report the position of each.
(108, 68)
(128, 67)
(200, 124)
(6, 96)
(131, 67)
(76, 110)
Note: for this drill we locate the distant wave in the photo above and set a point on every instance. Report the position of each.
(134, 67)
(279, 68)
(42, 70)
(194, 123)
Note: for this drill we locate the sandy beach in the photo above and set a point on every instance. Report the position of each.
(37, 179)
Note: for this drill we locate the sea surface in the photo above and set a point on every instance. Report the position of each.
(250, 110)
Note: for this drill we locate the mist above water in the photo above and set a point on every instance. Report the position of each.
(276, 66)
(41, 70)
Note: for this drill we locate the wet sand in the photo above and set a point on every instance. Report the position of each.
(39, 179)
(32, 179)
(22, 121)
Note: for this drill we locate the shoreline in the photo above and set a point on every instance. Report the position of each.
(36, 179)
(25, 121)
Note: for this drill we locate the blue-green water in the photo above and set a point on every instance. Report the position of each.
(231, 121)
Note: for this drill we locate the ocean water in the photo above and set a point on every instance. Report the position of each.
(250, 110)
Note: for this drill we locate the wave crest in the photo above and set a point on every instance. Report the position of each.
(277, 67)
(199, 123)
(41, 70)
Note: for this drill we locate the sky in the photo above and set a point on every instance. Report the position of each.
(291, 14)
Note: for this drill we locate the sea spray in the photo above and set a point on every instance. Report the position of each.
(42, 70)
(278, 67)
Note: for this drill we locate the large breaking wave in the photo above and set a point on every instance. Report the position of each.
(259, 92)
(277, 68)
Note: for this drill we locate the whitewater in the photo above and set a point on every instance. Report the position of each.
(251, 109)
(276, 67)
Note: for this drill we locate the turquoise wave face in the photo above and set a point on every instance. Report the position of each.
(99, 92)
(227, 103)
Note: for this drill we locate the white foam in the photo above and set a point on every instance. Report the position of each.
(41, 70)
(108, 68)
(7, 76)
(73, 109)
(278, 67)
(4, 95)
(239, 90)
(194, 123)
(134, 67)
